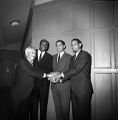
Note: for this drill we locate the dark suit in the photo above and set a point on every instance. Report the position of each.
(81, 87)
(22, 89)
(41, 89)
(61, 91)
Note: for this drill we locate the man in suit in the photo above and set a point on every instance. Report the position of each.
(23, 85)
(42, 61)
(61, 91)
(80, 83)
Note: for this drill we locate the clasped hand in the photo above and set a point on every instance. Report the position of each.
(54, 77)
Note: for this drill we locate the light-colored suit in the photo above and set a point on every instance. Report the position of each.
(61, 91)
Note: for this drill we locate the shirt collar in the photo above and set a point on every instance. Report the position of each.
(39, 52)
(61, 54)
(30, 61)
(77, 53)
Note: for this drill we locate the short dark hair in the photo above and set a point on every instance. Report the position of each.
(79, 41)
(61, 42)
(48, 44)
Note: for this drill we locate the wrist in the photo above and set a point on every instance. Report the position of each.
(44, 75)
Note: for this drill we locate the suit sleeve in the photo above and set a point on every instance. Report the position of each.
(29, 70)
(76, 69)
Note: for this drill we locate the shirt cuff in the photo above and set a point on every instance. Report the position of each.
(62, 74)
(44, 75)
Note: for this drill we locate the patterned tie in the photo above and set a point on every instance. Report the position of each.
(58, 57)
(74, 56)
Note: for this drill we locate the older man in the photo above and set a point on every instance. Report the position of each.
(23, 85)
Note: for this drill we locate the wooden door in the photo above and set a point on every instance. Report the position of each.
(8, 63)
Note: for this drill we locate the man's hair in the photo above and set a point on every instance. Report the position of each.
(29, 50)
(48, 44)
(61, 42)
(79, 41)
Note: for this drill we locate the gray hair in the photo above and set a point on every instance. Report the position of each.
(28, 50)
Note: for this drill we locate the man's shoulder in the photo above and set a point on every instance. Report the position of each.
(48, 54)
(68, 55)
(85, 53)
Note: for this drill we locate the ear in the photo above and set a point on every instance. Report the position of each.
(80, 45)
(64, 46)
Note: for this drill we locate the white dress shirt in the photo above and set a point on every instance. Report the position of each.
(61, 54)
(77, 53)
(39, 52)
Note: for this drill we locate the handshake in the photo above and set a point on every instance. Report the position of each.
(54, 77)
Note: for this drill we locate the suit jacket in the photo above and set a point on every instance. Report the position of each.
(61, 66)
(45, 64)
(80, 74)
(25, 75)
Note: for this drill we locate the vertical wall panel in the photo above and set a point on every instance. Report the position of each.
(102, 49)
(66, 18)
(83, 16)
(67, 37)
(101, 14)
(50, 20)
(117, 95)
(116, 47)
(52, 38)
(103, 93)
(116, 13)
(85, 37)
(36, 40)
(37, 23)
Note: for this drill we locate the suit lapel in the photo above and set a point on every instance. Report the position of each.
(62, 57)
(74, 59)
(28, 63)
(44, 57)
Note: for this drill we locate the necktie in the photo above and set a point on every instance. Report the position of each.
(40, 56)
(74, 56)
(58, 57)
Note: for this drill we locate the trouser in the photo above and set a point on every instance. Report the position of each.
(81, 106)
(40, 97)
(61, 102)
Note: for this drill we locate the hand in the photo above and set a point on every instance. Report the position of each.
(54, 77)
(51, 74)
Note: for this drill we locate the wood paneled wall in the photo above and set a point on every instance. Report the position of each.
(95, 23)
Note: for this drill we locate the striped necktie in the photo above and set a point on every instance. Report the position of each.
(58, 57)
(74, 56)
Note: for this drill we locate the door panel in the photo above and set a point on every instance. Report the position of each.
(83, 16)
(101, 14)
(66, 18)
(50, 20)
(102, 49)
(103, 89)
(116, 47)
(8, 63)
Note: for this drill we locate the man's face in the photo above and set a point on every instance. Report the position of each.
(60, 47)
(32, 55)
(75, 46)
(43, 46)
